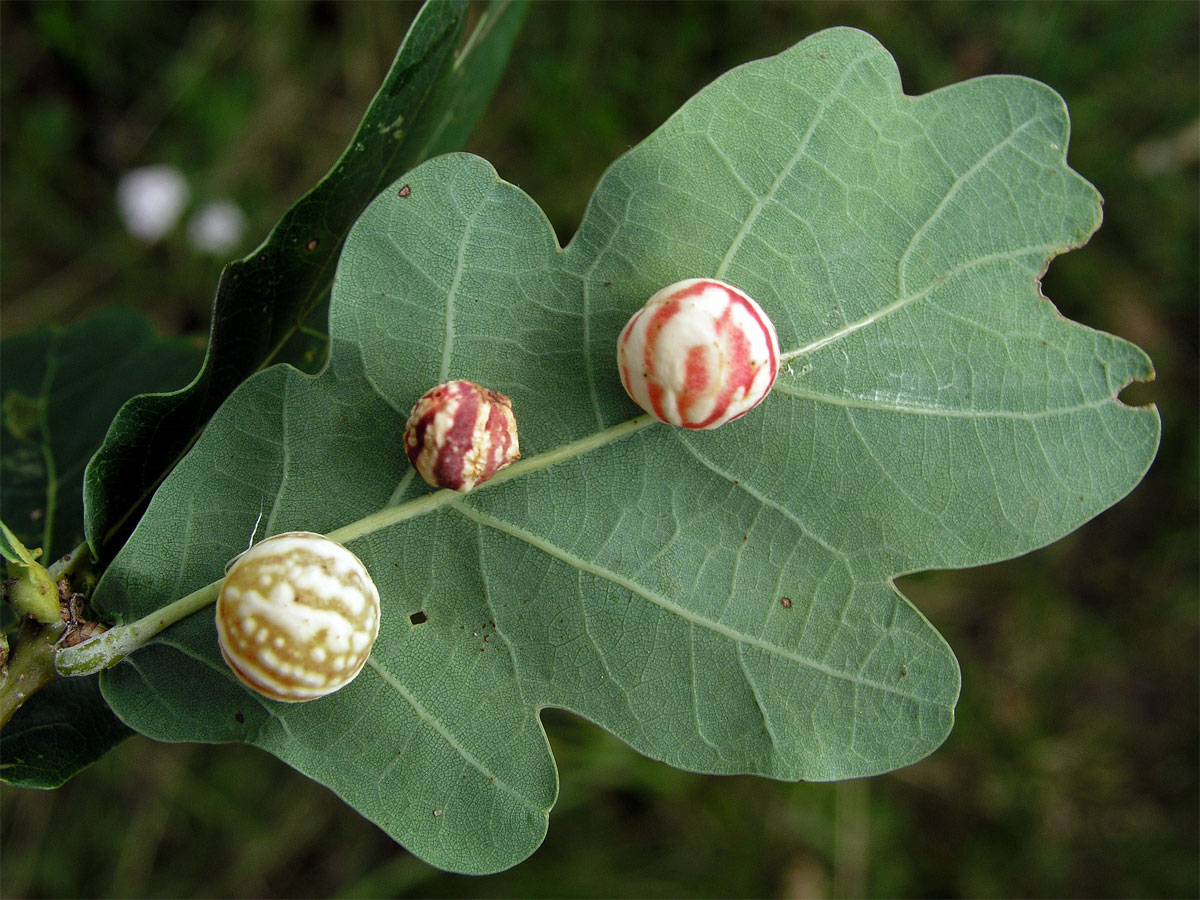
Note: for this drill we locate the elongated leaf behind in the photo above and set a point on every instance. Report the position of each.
(721, 601)
(270, 306)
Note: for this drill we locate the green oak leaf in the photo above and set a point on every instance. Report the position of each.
(722, 601)
(271, 306)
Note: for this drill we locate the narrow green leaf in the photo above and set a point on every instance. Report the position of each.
(271, 305)
(937, 411)
(11, 547)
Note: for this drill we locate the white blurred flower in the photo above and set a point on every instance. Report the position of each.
(151, 199)
(216, 227)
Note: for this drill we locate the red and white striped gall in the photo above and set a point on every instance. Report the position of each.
(460, 434)
(699, 354)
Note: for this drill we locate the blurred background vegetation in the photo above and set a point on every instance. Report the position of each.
(1072, 770)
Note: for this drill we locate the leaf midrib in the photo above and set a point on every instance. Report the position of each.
(436, 500)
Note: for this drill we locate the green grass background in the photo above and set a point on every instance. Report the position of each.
(1072, 770)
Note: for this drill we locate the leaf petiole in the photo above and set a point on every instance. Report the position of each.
(108, 649)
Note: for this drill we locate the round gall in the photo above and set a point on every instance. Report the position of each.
(460, 434)
(699, 354)
(296, 616)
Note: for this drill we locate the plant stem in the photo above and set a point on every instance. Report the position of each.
(30, 668)
(108, 649)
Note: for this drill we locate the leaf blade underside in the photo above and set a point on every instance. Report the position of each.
(637, 574)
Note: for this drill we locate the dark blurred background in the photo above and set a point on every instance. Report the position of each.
(1072, 770)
